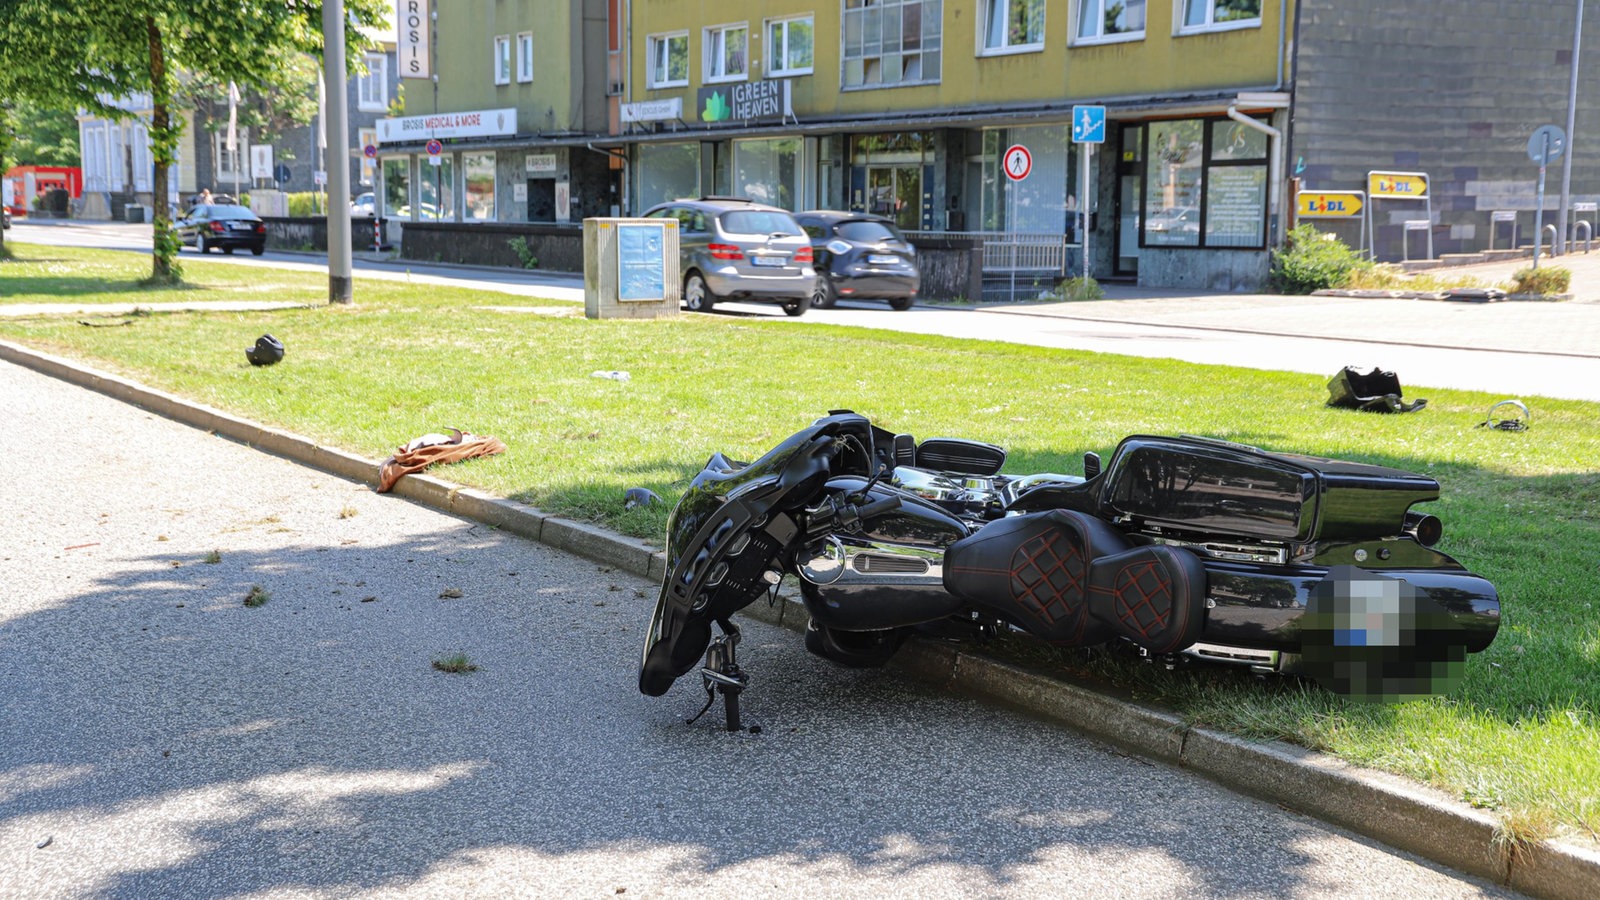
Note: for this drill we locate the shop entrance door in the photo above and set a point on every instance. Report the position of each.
(895, 192)
(1130, 153)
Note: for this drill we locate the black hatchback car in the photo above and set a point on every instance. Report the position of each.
(225, 225)
(861, 257)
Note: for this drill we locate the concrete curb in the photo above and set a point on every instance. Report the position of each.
(1389, 809)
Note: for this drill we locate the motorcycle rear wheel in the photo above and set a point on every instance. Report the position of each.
(854, 649)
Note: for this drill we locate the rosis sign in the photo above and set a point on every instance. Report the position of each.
(413, 49)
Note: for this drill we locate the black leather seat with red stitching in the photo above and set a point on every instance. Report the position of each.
(1072, 579)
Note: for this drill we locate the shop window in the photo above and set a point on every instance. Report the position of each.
(502, 59)
(367, 137)
(667, 172)
(768, 171)
(789, 46)
(727, 53)
(477, 174)
(525, 57)
(372, 89)
(397, 186)
(888, 43)
(1013, 25)
(1205, 185)
(669, 60)
(1210, 15)
(1109, 20)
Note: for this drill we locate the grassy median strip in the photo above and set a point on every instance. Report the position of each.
(1521, 736)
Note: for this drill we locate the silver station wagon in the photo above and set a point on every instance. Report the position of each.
(730, 248)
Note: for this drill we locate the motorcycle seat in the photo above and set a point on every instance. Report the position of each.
(1072, 579)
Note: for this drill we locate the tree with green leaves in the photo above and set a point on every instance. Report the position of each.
(90, 54)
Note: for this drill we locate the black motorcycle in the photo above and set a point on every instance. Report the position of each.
(1180, 547)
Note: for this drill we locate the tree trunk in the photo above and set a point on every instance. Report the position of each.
(165, 268)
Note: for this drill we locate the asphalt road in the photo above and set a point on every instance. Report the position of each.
(161, 739)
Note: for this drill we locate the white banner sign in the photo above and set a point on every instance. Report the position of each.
(653, 110)
(414, 27)
(473, 123)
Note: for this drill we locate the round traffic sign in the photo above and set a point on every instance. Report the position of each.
(1547, 144)
(1017, 162)
(370, 151)
(435, 148)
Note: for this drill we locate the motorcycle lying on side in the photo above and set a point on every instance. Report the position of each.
(1179, 546)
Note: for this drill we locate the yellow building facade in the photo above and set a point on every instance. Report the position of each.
(957, 116)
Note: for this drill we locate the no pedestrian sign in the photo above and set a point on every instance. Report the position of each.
(1018, 162)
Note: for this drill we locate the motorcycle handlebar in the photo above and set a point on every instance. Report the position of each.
(843, 514)
(877, 507)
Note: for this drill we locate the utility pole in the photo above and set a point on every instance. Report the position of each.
(1572, 120)
(336, 125)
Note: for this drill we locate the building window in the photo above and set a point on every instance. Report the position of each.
(1205, 185)
(789, 45)
(669, 60)
(367, 137)
(525, 56)
(1013, 25)
(727, 53)
(372, 89)
(1109, 20)
(892, 42)
(477, 175)
(502, 59)
(397, 186)
(229, 167)
(1207, 15)
(666, 172)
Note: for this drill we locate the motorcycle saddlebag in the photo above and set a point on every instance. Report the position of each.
(1071, 579)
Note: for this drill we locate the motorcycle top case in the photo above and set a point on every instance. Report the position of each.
(1201, 485)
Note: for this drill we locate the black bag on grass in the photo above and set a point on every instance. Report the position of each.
(1375, 391)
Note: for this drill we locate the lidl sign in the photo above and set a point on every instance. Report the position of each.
(1329, 204)
(1413, 185)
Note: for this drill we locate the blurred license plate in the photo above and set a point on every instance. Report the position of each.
(768, 260)
(240, 226)
(882, 259)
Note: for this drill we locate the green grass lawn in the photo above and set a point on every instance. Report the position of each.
(1522, 735)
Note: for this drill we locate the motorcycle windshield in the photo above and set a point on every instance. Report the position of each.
(728, 532)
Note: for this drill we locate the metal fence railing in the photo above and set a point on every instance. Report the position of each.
(1012, 251)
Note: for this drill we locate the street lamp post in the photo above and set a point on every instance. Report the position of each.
(1572, 134)
(337, 158)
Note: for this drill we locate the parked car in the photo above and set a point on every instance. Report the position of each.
(7, 217)
(730, 248)
(860, 256)
(364, 205)
(225, 225)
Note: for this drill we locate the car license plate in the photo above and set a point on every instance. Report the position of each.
(240, 226)
(882, 259)
(768, 260)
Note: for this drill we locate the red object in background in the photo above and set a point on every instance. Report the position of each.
(19, 193)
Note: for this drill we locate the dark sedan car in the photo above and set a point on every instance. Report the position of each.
(860, 256)
(223, 225)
